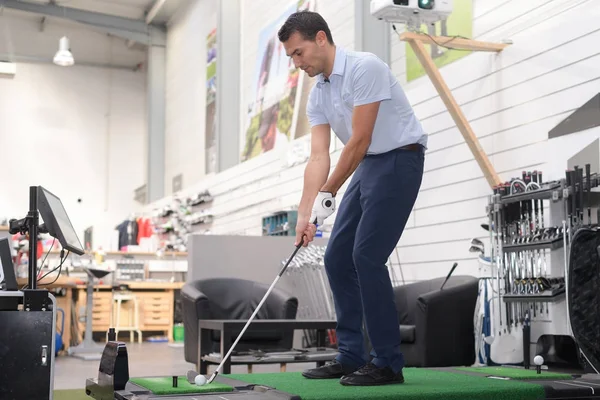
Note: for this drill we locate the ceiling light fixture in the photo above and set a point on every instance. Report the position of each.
(63, 56)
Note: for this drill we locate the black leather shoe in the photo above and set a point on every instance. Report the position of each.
(332, 369)
(371, 375)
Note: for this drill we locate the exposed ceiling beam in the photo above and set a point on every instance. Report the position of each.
(154, 10)
(127, 28)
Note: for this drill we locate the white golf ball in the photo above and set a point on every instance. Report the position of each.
(538, 360)
(200, 380)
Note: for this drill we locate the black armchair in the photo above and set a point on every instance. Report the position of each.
(436, 326)
(233, 299)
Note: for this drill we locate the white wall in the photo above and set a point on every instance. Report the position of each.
(511, 99)
(84, 125)
(257, 187)
(186, 91)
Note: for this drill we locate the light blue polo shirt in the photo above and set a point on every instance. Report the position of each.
(360, 78)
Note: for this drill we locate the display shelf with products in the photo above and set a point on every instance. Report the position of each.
(531, 227)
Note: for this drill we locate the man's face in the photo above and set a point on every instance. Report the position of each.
(307, 55)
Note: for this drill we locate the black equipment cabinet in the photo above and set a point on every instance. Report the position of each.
(27, 344)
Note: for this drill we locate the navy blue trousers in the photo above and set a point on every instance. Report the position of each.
(371, 217)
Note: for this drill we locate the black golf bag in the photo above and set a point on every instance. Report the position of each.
(583, 293)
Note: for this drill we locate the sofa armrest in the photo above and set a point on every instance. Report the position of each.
(444, 325)
(280, 305)
(195, 306)
(289, 309)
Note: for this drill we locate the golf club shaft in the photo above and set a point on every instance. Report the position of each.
(214, 375)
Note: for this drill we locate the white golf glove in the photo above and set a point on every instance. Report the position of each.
(323, 207)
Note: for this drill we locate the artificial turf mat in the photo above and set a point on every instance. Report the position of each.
(164, 385)
(515, 373)
(71, 394)
(419, 384)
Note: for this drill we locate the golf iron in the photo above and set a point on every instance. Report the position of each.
(214, 375)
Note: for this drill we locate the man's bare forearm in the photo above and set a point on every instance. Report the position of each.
(315, 176)
(353, 153)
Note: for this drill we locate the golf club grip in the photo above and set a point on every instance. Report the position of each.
(449, 273)
(581, 191)
(302, 241)
(588, 178)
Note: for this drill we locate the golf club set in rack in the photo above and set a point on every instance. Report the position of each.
(308, 278)
(306, 274)
(531, 223)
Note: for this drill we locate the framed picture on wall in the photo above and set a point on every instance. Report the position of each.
(276, 94)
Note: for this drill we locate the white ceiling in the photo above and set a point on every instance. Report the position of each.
(135, 9)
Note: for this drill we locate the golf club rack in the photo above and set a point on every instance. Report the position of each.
(531, 227)
(307, 275)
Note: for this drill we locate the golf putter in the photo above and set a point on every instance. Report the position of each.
(298, 246)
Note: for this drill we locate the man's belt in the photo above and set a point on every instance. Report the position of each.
(411, 147)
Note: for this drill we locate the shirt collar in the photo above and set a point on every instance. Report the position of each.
(339, 65)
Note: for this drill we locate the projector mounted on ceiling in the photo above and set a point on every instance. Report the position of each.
(413, 13)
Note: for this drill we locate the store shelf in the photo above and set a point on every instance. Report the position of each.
(547, 296)
(537, 245)
(552, 191)
(125, 254)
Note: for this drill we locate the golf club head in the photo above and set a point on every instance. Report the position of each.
(476, 249)
(191, 376)
(476, 242)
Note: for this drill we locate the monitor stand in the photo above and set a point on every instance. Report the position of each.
(88, 349)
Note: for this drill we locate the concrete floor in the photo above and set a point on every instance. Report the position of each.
(145, 359)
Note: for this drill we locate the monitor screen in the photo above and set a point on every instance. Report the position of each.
(7, 269)
(57, 221)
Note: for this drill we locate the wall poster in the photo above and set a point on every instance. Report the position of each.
(276, 95)
(459, 23)
(211, 103)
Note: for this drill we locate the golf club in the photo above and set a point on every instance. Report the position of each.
(476, 242)
(214, 375)
(448, 276)
(476, 249)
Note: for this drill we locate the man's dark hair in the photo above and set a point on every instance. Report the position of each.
(307, 23)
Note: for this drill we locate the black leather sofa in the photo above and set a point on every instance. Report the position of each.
(436, 326)
(233, 299)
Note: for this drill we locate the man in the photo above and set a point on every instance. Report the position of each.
(357, 97)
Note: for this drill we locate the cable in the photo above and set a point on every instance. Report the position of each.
(42, 263)
(434, 41)
(39, 271)
(520, 182)
(63, 258)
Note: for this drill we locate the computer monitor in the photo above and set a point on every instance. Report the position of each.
(57, 221)
(6, 263)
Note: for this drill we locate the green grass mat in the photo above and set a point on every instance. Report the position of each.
(420, 384)
(71, 394)
(164, 385)
(515, 373)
